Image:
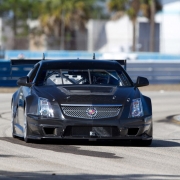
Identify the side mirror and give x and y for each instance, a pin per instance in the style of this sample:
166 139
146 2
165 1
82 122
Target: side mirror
24 81
141 81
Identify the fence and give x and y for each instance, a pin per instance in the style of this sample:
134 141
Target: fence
8 76
156 72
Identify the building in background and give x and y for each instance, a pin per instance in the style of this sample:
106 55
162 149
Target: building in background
106 36
170 27
116 36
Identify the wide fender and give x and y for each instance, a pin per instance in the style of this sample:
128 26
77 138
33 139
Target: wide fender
15 98
147 105
31 104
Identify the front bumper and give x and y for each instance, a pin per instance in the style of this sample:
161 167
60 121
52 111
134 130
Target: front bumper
127 129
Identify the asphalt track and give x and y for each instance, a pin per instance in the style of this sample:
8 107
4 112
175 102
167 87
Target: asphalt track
95 160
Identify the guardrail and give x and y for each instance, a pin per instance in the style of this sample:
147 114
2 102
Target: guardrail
8 80
156 72
8 54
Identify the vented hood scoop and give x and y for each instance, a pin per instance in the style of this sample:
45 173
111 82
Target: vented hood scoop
103 90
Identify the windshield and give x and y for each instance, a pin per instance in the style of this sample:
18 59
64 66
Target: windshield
85 77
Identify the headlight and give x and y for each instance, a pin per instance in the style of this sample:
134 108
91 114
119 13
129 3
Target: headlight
136 109
45 108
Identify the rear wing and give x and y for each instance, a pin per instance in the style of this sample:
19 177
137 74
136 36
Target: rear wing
122 63
18 62
21 62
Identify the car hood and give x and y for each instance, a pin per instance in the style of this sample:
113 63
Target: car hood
87 94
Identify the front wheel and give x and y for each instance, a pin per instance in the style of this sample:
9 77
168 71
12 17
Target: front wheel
141 142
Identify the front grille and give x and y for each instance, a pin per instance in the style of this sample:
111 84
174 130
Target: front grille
91 112
84 131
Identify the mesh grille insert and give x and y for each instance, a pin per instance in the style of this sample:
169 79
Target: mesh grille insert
91 112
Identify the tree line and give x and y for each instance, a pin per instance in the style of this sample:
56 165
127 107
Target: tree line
61 18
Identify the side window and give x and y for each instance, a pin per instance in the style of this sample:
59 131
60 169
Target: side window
33 72
124 79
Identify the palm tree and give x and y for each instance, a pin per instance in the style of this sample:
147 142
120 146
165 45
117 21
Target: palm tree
132 9
149 9
62 17
19 11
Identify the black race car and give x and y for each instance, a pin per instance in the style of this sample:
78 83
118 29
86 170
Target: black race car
80 99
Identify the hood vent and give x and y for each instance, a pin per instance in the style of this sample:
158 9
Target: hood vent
89 90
